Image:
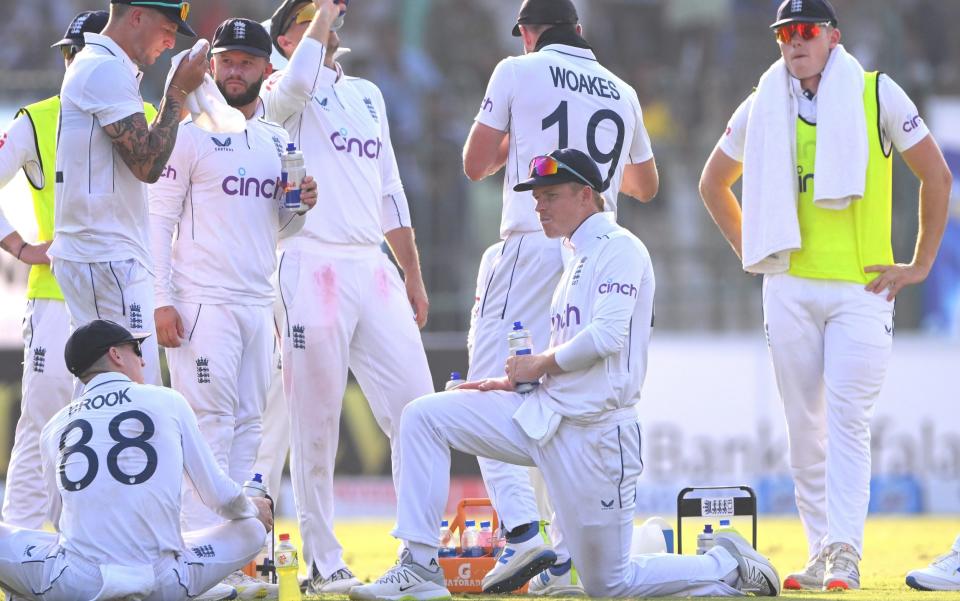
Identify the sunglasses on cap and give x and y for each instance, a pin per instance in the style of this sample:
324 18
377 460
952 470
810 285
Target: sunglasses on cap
807 31
183 6
309 11
544 166
70 50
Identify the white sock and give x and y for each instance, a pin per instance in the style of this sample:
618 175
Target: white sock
422 554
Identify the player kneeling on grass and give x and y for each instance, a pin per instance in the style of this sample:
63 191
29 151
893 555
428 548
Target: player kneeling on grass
579 425
113 464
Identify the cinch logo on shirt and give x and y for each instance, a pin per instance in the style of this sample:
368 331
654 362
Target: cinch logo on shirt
912 123
585 84
241 185
487 105
169 173
570 317
803 181
364 148
611 287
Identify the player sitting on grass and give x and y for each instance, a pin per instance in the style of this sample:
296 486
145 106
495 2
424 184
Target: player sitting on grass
113 462
578 426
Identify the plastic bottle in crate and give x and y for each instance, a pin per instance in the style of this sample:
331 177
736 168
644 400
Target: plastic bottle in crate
470 540
486 538
447 546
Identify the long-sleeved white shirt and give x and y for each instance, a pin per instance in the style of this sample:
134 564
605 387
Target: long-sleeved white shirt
340 124
601 321
221 192
113 463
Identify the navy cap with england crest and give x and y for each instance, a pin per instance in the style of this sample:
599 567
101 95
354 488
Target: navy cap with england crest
805 11
89 21
242 34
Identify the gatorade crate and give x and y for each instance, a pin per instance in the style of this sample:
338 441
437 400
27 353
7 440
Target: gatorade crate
465 574
710 504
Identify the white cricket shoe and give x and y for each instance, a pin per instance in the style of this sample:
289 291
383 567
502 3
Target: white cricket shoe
405 581
565 584
519 562
249 588
219 592
810 578
338 583
756 574
941 575
842 568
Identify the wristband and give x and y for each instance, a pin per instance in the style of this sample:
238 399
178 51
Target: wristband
179 89
20 252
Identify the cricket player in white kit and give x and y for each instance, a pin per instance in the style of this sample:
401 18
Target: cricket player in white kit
578 426
345 304
106 153
555 95
824 246
223 195
114 461
30 144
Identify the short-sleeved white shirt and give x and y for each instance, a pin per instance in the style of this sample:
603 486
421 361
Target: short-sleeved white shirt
561 96
18 149
900 122
101 207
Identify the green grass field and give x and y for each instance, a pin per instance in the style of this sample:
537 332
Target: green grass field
894 545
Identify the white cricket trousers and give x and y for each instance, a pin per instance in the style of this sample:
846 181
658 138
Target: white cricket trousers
47 387
590 470
223 370
515 282
34 566
346 307
121 291
830 342
275 441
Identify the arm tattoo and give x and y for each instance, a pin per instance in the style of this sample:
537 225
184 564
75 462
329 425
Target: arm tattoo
146 150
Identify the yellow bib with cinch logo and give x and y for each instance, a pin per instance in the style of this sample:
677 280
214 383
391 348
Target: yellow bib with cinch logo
838 244
45 116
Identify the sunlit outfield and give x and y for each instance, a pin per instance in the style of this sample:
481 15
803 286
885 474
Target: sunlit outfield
894 545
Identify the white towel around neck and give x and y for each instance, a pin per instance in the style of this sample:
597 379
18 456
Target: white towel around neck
206 104
771 230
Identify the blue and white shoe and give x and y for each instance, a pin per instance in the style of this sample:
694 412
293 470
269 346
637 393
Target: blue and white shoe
941 575
219 592
557 581
522 559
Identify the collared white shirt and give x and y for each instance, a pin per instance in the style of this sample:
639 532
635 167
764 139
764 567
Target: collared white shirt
340 124
222 191
101 207
561 97
18 149
601 322
114 461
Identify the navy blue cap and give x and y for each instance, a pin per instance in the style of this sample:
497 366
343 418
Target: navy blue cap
242 34
575 167
89 21
90 341
546 12
805 11
169 9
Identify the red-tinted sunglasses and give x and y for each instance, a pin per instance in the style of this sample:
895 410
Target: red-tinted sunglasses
543 166
807 31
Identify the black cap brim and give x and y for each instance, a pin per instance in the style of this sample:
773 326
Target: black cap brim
67 42
248 49
561 177
183 28
802 20
516 30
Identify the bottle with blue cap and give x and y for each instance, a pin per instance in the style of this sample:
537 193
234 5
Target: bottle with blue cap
706 540
470 540
521 343
255 487
292 172
455 380
447 547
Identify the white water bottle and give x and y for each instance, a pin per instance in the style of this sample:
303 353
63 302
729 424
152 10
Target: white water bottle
705 540
455 380
255 487
447 547
521 343
292 172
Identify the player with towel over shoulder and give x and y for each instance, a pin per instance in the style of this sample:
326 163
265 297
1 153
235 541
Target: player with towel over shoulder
823 245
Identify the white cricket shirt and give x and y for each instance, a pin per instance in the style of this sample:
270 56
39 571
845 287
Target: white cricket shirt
114 461
340 124
561 97
601 321
101 207
222 192
18 149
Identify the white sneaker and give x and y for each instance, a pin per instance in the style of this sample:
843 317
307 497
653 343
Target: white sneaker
842 568
810 578
756 574
941 575
519 562
565 584
249 588
338 583
220 592
405 581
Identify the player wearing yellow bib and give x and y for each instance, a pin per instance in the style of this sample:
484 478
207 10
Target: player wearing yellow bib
823 245
30 144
